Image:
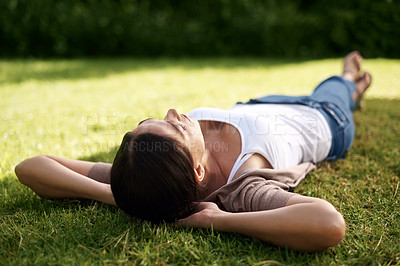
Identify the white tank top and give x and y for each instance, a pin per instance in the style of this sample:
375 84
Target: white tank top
285 134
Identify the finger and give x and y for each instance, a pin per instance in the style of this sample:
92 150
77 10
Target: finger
180 222
184 222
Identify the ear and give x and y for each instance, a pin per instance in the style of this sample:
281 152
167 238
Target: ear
199 172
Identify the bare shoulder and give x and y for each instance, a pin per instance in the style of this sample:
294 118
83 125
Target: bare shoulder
256 161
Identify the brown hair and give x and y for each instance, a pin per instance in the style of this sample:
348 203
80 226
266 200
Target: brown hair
152 178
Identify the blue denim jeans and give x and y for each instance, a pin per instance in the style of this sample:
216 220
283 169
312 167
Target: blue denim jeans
333 98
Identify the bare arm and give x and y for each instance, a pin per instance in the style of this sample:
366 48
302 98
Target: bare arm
56 177
305 223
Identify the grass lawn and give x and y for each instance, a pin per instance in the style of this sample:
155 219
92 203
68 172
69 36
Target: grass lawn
81 108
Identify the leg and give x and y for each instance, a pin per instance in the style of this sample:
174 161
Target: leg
348 90
345 94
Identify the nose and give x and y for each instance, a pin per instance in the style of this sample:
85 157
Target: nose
172 115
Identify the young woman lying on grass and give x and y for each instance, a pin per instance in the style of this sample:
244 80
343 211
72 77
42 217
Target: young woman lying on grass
226 169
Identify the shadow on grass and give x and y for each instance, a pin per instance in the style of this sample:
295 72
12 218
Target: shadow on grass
21 199
106 157
23 70
378 131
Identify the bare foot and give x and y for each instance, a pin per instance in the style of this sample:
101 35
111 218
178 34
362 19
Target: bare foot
352 66
361 86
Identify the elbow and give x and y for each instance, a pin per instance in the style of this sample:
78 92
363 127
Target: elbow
20 171
332 228
24 170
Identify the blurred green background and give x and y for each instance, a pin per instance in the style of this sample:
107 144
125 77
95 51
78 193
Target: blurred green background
270 28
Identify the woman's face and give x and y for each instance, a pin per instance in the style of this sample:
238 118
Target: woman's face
180 127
